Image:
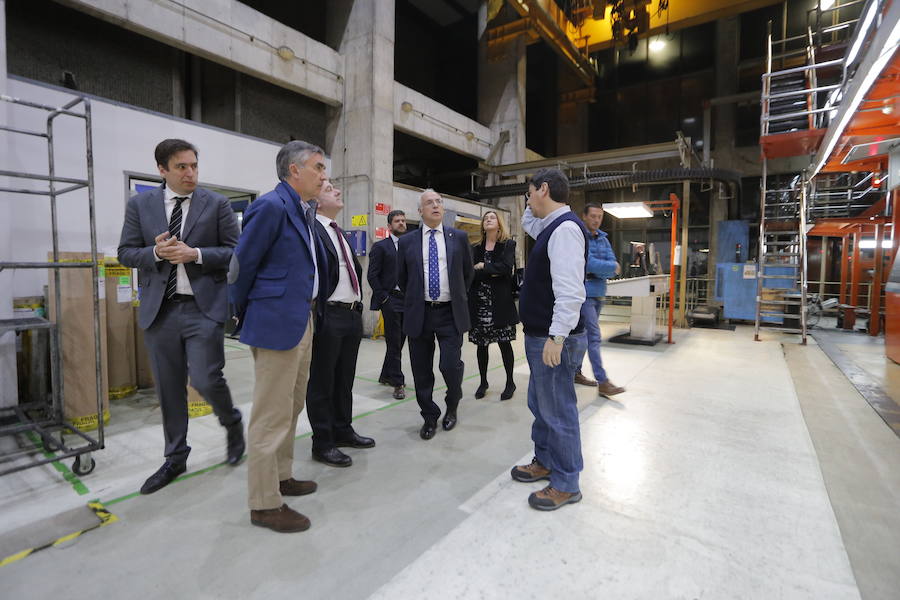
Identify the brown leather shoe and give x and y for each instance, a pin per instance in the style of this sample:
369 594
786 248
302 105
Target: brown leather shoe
399 392
582 380
294 487
608 388
551 498
282 520
528 473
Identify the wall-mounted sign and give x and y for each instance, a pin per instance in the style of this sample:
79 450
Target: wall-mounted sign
359 220
357 240
382 232
381 208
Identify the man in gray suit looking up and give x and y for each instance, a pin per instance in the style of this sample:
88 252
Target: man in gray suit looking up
181 238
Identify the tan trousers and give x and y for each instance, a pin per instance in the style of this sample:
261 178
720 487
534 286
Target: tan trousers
278 396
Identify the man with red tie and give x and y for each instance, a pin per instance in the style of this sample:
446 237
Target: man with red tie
329 396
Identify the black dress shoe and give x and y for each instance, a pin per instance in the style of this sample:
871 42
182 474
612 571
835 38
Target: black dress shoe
399 392
428 429
449 421
508 391
355 441
479 393
236 444
332 457
163 477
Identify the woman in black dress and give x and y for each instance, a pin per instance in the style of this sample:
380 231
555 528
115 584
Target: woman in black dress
491 305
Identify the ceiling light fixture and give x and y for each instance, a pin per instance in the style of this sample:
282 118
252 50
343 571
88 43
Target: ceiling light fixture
657 44
406 107
826 4
628 210
285 53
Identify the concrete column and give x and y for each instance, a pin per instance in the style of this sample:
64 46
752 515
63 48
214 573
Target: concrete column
8 381
728 32
360 133
501 106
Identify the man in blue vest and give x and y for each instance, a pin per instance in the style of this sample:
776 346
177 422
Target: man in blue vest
554 335
601 265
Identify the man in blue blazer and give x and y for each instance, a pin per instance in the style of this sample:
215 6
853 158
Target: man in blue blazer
180 238
435 272
276 294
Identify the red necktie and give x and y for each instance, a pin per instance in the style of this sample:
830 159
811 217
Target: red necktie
347 261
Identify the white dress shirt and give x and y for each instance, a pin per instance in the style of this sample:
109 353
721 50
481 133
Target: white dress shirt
182 282
344 290
442 262
566 251
396 241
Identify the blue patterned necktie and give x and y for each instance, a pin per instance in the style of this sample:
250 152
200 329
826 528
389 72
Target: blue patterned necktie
434 273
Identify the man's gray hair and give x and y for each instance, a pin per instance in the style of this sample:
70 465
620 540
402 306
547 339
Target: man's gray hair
425 191
294 152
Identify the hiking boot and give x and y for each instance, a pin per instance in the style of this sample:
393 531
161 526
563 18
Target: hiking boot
551 498
532 472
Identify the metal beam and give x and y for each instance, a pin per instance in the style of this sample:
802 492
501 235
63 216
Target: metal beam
589 159
552 25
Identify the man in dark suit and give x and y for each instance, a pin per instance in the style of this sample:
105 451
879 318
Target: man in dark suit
180 238
435 272
329 397
281 266
387 297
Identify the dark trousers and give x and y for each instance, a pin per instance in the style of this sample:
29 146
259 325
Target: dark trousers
329 396
394 339
438 325
183 341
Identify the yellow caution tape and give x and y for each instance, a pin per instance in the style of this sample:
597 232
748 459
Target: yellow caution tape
121 392
89 422
105 518
199 408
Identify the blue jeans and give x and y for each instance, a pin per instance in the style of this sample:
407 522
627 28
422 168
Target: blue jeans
551 397
590 312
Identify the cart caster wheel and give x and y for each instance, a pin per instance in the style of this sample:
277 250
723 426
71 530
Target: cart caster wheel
50 445
80 468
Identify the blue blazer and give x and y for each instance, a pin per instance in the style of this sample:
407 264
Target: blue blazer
272 292
210 226
411 278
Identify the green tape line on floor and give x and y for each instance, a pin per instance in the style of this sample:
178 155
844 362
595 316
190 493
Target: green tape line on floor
67 473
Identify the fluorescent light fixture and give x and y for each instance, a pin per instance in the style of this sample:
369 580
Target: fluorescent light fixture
826 4
861 32
887 52
870 244
657 44
628 210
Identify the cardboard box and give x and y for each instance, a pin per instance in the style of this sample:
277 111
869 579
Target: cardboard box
79 364
121 350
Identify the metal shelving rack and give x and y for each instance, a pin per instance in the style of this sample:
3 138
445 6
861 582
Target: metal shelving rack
44 418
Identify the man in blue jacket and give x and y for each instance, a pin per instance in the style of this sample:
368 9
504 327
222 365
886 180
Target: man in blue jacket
601 265
276 295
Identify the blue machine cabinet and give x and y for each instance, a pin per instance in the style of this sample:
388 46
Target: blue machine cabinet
738 293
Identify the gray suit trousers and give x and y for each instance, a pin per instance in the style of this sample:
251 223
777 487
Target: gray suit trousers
183 341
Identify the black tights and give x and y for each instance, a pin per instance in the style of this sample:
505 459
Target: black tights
506 352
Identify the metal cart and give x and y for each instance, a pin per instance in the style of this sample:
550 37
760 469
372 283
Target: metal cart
39 424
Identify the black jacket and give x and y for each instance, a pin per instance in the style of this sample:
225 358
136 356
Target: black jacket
499 275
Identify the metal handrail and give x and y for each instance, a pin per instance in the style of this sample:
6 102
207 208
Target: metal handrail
803 69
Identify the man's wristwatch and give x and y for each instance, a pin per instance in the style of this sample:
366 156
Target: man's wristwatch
558 339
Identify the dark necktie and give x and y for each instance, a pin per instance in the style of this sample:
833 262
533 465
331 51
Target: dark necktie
174 230
350 270
434 273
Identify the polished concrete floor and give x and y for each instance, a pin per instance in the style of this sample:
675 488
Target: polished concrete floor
728 469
